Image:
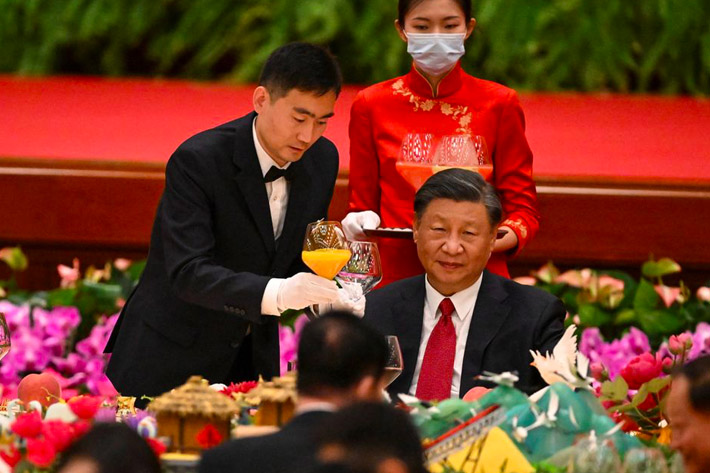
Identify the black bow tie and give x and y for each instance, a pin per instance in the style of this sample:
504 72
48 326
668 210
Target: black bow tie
275 173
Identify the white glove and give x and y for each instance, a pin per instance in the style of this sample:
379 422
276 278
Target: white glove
304 289
354 224
350 300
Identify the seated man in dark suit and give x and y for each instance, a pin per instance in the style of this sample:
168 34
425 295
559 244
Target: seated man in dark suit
340 360
459 320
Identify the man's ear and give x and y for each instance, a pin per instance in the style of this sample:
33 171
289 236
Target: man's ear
415 228
260 97
368 388
392 465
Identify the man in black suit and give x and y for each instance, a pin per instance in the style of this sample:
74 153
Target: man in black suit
225 255
340 360
459 320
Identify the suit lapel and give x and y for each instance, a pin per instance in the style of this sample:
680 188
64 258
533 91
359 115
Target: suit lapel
251 182
489 315
407 316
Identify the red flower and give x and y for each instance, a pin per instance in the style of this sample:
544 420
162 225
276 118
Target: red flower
641 369
208 437
40 452
79 428
650 401
627 423
11 457
27 425
59 434
85 407
243 387
156 445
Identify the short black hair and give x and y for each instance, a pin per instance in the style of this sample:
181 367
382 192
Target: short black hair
697 372
405 6
336 351
114 448
370 433
460 185
303 66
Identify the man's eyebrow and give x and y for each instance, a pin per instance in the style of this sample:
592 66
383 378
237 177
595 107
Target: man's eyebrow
303 111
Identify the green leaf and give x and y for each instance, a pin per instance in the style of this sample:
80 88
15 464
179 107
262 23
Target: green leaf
592 316
616 390
625 317
14 257
61 297
662 267
660 322
646 297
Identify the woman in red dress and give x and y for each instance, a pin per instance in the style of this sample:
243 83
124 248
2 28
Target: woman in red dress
439 98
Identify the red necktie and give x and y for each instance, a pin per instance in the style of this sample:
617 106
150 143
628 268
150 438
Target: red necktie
438 364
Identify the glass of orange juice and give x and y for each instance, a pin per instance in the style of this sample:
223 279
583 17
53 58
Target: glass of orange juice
466 152
325 248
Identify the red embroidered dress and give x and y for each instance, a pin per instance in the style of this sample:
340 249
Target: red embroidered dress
384 113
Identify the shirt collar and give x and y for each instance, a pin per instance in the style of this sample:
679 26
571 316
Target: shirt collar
463 301
450 84
265 161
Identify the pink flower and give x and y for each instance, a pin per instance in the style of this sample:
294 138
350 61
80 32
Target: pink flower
525 280
288 341
576 278
678 344
668 294
605 280
122 264
597 371
642 369
69 276
703 293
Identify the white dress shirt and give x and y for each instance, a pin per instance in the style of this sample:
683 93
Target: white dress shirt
277 192
464 303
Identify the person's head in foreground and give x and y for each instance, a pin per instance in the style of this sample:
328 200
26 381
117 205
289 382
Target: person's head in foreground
370 438
456 217
109 448
294 100
340 360
688 409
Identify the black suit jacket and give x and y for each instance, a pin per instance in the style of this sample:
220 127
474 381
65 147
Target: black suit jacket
212 252
509 319
290 449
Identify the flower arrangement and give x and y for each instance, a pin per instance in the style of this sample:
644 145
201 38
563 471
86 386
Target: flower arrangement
31 443
613 301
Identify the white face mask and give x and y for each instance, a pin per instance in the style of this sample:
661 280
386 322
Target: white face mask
435 53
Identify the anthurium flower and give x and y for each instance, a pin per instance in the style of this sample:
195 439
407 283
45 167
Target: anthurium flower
208 437
575 278
69 276
85 407
59 434
668 294
642 369
40 452
27 425
615 283
10 455
525 280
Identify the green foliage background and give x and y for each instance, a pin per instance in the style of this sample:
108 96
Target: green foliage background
610 45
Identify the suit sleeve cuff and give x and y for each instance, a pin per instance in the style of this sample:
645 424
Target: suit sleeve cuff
269 301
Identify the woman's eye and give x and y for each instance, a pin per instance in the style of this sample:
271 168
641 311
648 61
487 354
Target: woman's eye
420 27
451 27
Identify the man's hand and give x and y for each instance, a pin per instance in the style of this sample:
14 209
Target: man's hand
355 223
304 289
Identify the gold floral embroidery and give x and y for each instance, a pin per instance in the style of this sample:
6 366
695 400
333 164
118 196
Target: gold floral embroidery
518 225
459 113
